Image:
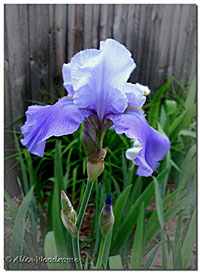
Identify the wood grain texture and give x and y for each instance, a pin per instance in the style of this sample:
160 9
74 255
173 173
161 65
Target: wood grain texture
57 38
39 38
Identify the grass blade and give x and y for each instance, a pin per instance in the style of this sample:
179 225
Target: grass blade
10 202
63 246
164 251
189 241
131 216
159 205
119 206
50 252
154 109
137 250
16 245
22 165
190 100
151 257
155 228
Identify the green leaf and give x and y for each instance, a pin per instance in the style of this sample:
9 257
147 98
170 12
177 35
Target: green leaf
10 202
22 165
50 252
107 249
178 256
62 244
151 257
159 205
155 228
153 115
131 215
154 216
181 122
86 263
170 105
191 97
115 262
137 250
119 206
164 251
163 117
187 133
170 264
189 241
178 233
16 244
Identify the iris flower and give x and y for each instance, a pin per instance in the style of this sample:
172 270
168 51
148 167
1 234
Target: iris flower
96 81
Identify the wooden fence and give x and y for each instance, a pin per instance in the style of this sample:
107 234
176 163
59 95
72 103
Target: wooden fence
40 38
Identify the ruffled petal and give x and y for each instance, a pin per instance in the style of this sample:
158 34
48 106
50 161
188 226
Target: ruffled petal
154 144
42 122
66 71
134 94
96 75
118 61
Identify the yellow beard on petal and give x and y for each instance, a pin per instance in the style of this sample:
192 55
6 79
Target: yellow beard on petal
135 108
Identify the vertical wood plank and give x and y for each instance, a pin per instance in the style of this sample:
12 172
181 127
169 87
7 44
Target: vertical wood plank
17 82
16 20
174 38
57 46
157 14
75 29
39 49
120 21
182 36
106 21
87 34
95 24
164 41
189 62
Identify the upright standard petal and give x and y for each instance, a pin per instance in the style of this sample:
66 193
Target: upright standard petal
96 75
42 122
154 145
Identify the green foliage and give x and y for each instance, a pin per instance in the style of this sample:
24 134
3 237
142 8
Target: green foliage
115 262
16 244
50 251
62 238
172 189
137 250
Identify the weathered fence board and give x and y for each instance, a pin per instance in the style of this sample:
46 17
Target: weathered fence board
40 38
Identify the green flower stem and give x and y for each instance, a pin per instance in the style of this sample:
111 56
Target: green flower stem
76 251
102 134
100 257
84 203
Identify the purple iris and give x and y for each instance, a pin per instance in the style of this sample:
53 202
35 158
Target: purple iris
96 81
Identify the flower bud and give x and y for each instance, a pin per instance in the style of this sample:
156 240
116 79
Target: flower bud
95 164
68 214
106 217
